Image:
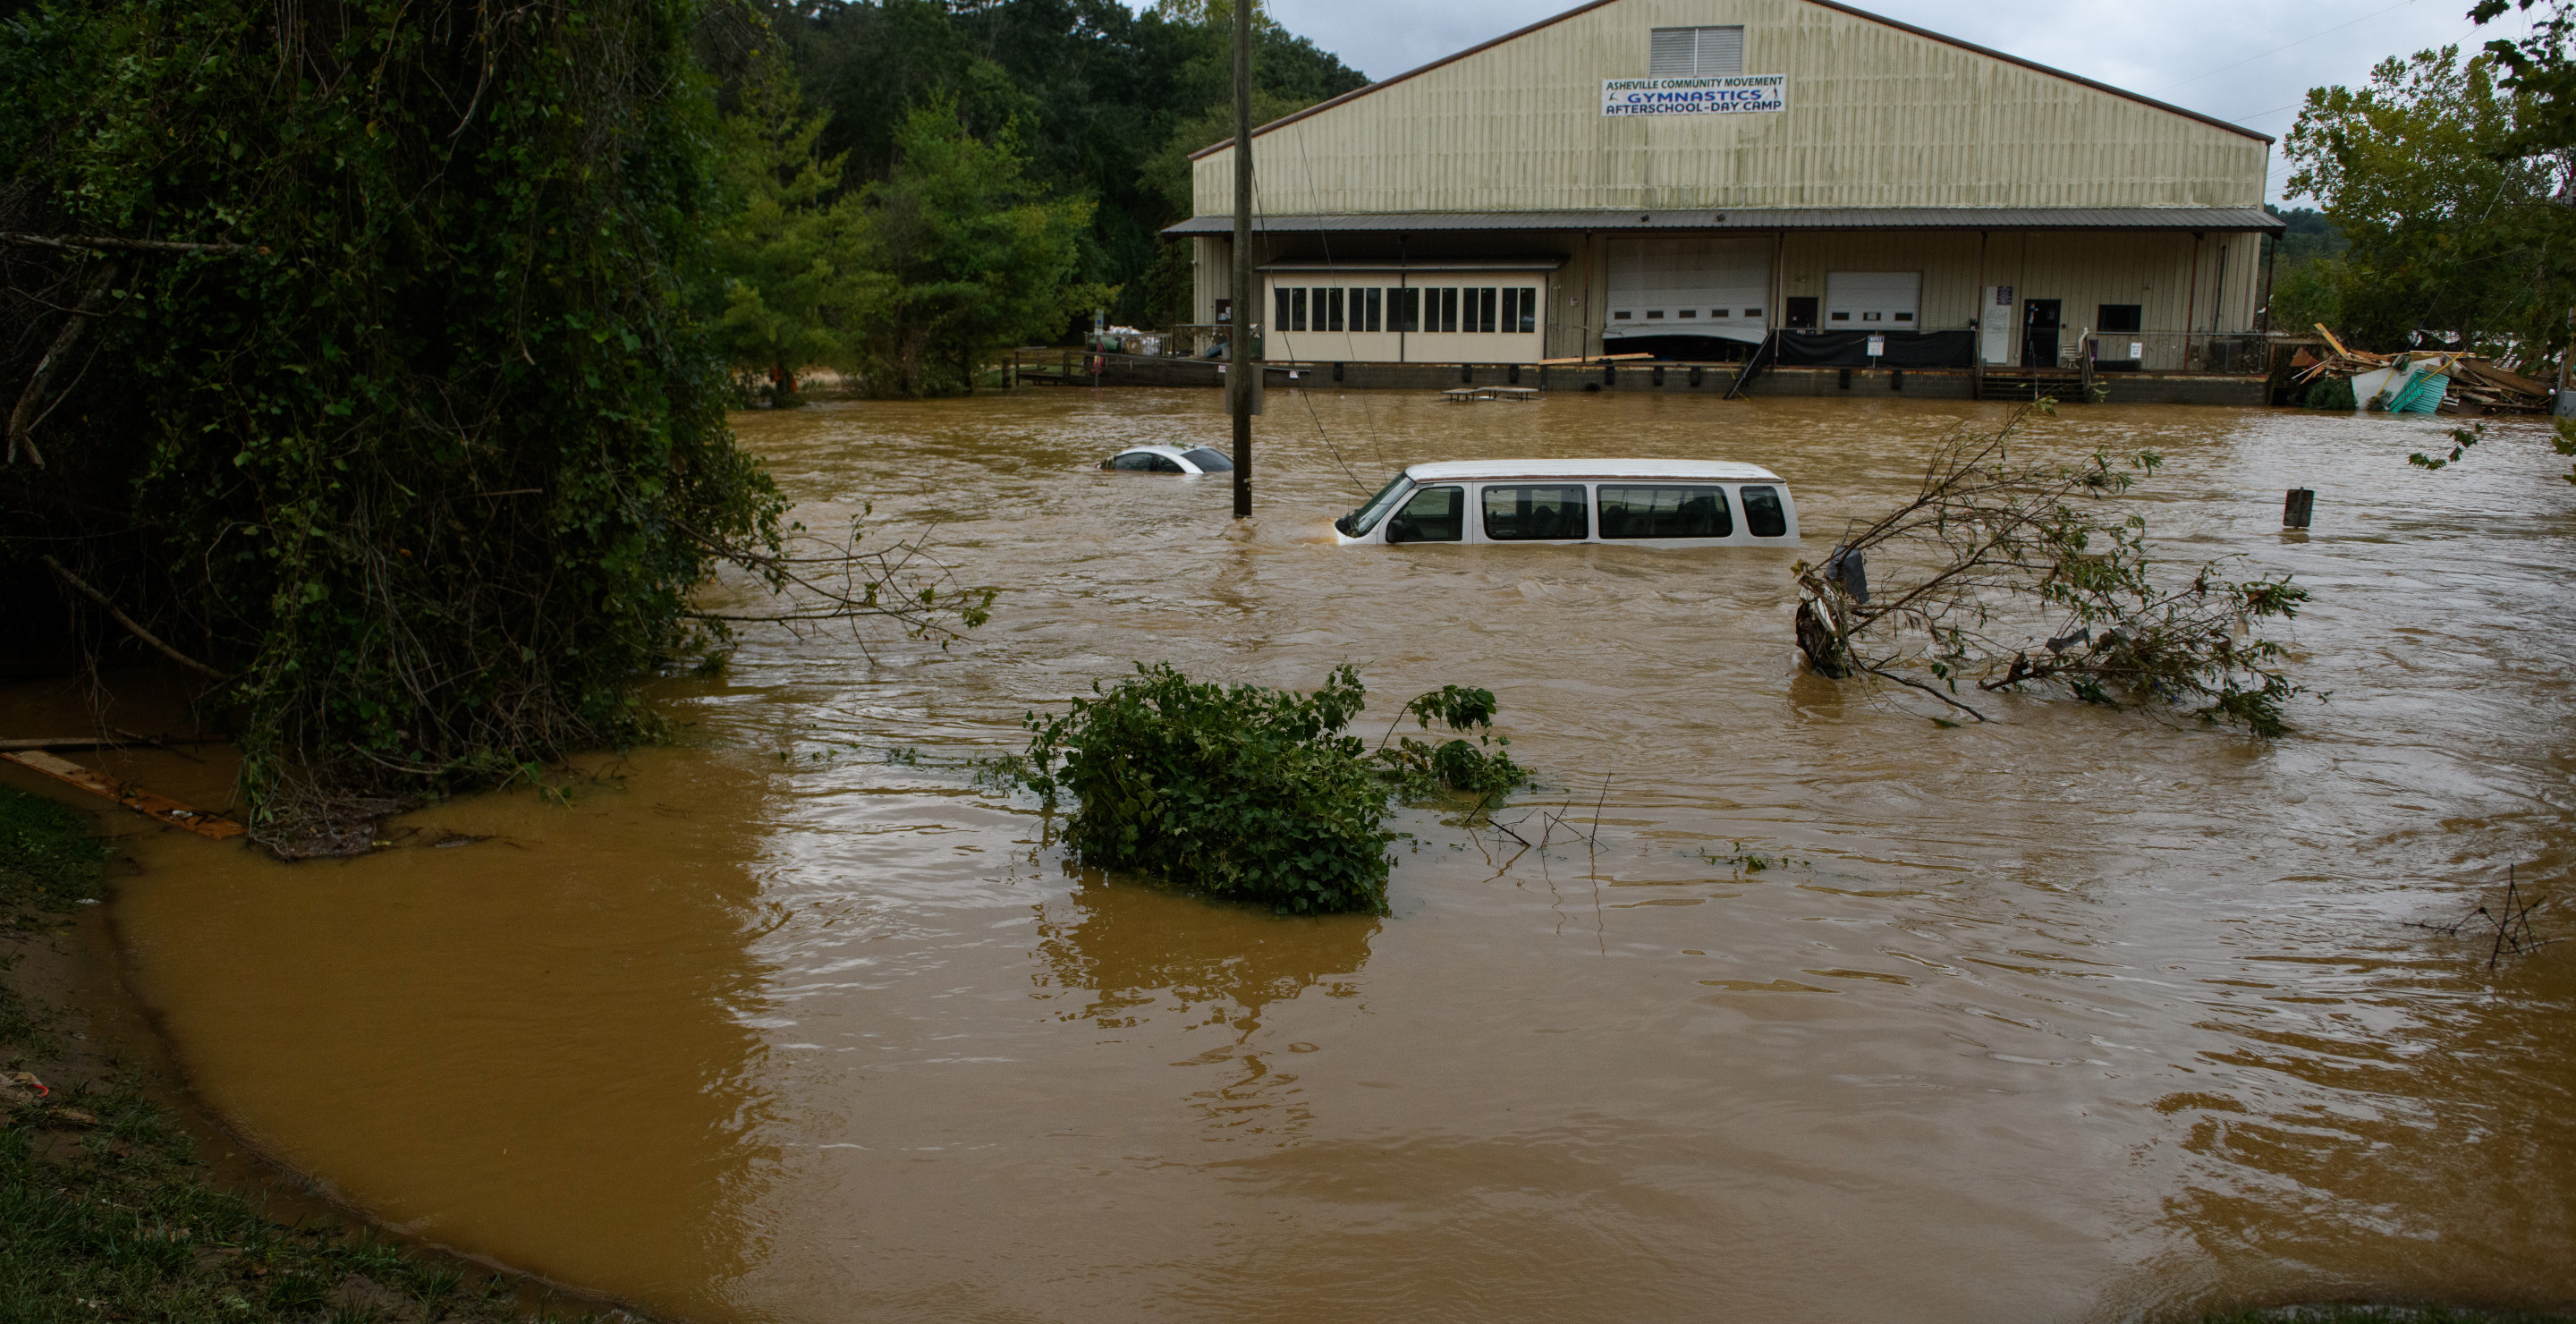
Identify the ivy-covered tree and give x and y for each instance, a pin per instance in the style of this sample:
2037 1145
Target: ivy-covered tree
353 370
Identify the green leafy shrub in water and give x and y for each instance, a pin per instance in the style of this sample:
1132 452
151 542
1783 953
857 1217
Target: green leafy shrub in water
1245 792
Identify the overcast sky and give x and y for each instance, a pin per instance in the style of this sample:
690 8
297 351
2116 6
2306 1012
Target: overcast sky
2247 61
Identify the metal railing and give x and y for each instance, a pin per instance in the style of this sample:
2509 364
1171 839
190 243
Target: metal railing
2246 353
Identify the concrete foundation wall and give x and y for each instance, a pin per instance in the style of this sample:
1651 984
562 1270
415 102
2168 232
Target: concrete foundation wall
1919 383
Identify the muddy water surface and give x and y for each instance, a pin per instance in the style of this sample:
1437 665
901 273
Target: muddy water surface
2080 1015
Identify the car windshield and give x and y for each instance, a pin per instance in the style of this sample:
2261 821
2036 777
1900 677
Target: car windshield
1207 460
1360 521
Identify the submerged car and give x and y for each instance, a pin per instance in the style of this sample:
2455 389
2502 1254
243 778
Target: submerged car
1647 503
1170 460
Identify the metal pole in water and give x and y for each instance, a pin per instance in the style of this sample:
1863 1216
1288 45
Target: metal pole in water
1247 299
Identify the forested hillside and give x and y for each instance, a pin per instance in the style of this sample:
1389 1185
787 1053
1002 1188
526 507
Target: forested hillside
1097 98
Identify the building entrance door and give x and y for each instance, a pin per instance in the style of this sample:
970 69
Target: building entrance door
2039 333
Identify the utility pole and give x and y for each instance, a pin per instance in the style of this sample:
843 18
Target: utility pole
1247 297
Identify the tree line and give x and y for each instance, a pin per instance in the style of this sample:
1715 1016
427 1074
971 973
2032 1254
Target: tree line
2448 191
911 184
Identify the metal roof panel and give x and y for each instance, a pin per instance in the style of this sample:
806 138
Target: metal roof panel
2228 219
1440 471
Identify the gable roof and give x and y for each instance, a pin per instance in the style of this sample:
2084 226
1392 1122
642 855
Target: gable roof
1589 5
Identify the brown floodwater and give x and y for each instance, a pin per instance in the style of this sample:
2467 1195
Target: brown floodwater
2079 1015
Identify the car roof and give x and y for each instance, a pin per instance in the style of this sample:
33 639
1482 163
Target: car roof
1456 470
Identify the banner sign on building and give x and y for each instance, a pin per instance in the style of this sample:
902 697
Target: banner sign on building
1743 95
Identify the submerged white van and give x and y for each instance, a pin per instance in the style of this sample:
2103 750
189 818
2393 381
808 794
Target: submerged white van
1645 503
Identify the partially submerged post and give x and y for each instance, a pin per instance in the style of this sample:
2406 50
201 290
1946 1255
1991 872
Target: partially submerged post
2297 507
1240 368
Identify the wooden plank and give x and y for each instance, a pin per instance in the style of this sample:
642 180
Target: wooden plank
60 742
199 821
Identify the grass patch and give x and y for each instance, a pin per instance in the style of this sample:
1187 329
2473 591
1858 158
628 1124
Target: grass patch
105 1214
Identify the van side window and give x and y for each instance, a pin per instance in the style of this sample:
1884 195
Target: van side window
1554 512
1762 514
1435 514
1665 512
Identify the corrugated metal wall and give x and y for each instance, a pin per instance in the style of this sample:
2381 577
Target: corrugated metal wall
1877 117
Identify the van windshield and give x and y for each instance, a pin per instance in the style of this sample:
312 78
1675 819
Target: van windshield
1360 521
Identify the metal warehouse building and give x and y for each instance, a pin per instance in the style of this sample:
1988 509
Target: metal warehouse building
1790 182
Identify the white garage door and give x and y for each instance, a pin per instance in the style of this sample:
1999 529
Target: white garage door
1696 287
1872 300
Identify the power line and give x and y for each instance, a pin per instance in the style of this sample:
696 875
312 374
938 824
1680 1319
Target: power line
2401 4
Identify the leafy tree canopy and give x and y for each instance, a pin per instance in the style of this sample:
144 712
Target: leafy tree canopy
2454 228
1089 90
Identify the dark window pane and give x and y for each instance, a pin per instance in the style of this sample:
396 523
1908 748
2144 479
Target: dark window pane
1529 310
1485 311
1550 513
1280 322
1372 309
1297 310
1333 310
1408 309
1449 309
2118 317
1207 460
1165 464
1665 512
1435 514
1511 308
1762 514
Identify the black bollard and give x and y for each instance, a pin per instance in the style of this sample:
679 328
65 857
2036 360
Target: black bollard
2297 507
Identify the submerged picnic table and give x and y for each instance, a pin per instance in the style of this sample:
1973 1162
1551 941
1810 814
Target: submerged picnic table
1459 395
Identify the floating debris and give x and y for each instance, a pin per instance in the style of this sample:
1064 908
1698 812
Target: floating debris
204 823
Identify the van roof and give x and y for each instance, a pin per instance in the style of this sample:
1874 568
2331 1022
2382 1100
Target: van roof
1462 470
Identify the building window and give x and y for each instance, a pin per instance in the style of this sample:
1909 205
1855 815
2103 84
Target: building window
1654 313
1485 306
1408 308
1511 309
1866 317
1695 52
1690 312
1279 322
1297 309
1449 309
1619 316
1528 323
1904 317
1372 309
1754 313
1333 309
2118 317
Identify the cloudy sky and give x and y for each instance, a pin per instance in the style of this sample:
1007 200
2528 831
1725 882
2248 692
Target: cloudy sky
2248 61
